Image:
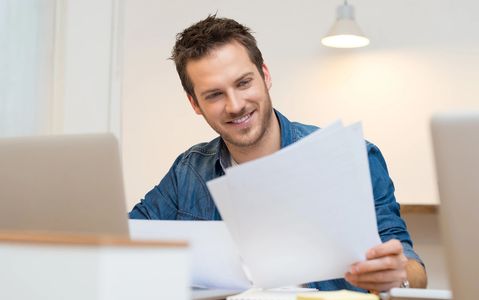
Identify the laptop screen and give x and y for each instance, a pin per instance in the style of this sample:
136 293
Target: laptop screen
66 183
456 149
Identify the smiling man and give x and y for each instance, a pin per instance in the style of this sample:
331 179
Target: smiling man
232 95
226 81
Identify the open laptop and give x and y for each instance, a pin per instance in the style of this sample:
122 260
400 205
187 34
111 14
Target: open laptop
456 149
67 183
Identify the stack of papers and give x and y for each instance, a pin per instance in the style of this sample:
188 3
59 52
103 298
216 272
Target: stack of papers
304 213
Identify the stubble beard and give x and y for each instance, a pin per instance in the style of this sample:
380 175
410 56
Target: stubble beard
242 139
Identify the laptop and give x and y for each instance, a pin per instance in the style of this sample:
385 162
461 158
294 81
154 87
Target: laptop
456 150
65 183
68 184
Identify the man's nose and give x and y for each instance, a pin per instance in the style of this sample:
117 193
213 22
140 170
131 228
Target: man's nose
234 103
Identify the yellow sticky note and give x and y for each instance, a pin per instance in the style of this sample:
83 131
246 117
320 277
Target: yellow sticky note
337 295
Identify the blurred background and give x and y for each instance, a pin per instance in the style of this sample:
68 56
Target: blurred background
92 66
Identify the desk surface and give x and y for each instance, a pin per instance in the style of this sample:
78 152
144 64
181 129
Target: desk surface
19 237
419 208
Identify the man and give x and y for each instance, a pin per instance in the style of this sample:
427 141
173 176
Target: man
226 81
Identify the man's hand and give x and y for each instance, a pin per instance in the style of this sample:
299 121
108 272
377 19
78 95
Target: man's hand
384 268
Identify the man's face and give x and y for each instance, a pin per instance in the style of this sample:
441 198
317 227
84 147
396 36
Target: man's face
232 96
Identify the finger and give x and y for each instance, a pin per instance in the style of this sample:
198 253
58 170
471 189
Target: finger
379 264
390 247
379 277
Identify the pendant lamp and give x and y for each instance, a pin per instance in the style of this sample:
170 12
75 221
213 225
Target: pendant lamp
345 32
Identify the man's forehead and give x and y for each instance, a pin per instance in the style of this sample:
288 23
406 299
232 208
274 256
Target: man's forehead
227 61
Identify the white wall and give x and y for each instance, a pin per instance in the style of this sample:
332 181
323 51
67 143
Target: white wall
86 96
26 66
59 66
423 58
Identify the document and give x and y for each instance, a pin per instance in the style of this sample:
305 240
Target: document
214 256
302 214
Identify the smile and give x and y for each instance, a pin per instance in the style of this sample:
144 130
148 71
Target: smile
241 120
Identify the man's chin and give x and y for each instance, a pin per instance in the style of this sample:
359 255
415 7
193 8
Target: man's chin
241 142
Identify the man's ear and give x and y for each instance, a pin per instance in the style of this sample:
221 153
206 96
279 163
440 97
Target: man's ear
194 104
267 76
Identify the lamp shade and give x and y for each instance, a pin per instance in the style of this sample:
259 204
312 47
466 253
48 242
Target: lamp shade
345 32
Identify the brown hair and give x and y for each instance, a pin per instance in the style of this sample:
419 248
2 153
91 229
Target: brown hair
199 39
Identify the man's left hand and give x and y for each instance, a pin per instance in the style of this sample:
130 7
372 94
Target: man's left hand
384 268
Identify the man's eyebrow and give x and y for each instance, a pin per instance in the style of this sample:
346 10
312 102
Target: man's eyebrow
243 76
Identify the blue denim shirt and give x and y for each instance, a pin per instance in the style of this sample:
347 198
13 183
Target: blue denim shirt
182 194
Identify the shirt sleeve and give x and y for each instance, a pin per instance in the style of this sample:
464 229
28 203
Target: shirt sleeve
389 221
161 203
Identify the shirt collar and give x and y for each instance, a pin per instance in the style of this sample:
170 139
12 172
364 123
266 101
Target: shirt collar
287 136
223 159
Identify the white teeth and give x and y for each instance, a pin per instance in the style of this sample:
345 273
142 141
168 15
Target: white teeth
241 120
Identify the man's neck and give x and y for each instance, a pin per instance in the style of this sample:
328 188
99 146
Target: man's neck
269 143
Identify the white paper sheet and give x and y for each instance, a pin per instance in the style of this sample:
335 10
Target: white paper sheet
303 214
215 259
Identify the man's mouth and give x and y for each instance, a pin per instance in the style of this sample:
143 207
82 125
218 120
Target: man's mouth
242 119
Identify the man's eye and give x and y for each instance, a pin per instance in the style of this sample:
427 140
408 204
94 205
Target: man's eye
213 95
244 83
